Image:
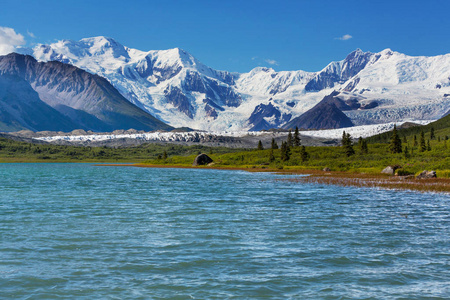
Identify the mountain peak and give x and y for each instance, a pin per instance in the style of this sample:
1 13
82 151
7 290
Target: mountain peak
99 40
15 63
387 52
180 57
100 45
262 69
357 54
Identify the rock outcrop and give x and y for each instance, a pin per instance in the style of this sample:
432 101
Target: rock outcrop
202 159
390 170
427 174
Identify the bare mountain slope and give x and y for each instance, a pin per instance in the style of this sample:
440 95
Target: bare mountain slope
87 101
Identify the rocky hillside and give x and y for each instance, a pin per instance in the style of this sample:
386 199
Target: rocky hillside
327 114
21 108
57 96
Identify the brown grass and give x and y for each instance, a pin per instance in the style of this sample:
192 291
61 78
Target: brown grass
441 185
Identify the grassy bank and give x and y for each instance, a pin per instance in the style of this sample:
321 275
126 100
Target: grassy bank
377 158
363 168
14 151
360 169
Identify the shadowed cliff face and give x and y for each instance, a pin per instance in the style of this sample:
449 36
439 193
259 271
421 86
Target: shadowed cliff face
88 101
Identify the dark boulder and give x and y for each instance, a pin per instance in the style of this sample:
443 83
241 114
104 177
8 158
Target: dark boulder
202 159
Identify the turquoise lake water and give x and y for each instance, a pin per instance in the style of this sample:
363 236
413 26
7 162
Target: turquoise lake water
78 231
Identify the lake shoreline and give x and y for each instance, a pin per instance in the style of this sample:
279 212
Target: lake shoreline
341 178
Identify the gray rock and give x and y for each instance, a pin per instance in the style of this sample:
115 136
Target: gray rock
390 170
427 174
326 169
202 159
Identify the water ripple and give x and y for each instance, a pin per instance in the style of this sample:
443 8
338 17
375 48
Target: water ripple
80 231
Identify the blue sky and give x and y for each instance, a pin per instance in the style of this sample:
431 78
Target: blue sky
240 35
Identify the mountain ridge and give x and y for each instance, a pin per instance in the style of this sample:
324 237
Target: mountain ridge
178 89
86 100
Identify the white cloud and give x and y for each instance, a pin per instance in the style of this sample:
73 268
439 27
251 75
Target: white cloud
9 40
271 62
31 34
345 37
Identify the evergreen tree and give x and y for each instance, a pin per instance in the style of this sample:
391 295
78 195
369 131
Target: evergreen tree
439 139
423 147
415 141
297 140
350 150
406 153
290 139
274 144
164 155
288 151
347 144
396 144
285 151
344 139
260 145
404 139
271 156
432 136
303 154
428 146
364 148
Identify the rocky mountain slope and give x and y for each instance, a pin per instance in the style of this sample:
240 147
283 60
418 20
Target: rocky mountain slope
21 108
178 89
327 114
57 96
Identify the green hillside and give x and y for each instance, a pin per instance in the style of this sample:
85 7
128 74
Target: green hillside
441 129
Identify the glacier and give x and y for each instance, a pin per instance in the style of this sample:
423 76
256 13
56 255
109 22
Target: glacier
197 136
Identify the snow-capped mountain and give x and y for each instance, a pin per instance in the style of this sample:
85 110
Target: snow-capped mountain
178 89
